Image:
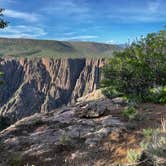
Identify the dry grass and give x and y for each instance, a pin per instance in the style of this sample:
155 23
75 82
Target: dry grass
163 125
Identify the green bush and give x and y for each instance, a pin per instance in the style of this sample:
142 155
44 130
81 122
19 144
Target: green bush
139 67
111 92
129 113
133 156
147 133
157 95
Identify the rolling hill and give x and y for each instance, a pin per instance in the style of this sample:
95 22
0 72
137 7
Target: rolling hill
50 48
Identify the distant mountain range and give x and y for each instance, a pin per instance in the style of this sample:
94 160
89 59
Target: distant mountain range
50 48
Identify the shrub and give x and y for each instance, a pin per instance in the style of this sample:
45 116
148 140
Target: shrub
139 67
147 133
157 95
65 140
111 92
133 156
155 146
129 113
158 145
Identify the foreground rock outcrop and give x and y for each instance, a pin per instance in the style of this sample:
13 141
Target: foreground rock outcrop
61 137
43 84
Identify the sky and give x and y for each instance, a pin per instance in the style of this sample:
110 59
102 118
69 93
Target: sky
108 21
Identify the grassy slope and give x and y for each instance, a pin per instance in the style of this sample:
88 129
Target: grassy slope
48 48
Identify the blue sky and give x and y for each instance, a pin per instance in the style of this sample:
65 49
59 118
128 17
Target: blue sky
109 21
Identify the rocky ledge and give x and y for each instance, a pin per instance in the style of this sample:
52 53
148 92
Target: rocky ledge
67 136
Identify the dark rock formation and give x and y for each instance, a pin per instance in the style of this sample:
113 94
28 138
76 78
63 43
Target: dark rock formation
43 84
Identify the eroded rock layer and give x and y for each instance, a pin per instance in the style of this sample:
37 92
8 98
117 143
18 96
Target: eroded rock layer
43 84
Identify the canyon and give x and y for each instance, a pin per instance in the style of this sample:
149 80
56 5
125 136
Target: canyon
34 85
53 112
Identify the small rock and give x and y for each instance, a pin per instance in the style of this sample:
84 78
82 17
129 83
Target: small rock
108 121
120 101
92 110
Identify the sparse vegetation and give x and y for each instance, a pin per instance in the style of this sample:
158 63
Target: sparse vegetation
155 148
147 133
65 140
133 156
129 113
154 144
138 74
58 49
157 95
111 92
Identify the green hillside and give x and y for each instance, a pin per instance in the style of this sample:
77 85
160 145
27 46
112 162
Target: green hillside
50 48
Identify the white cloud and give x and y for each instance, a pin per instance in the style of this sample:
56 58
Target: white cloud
137 18
146 8
81 37
82 11
22 31
151 11
5 3
69 33
68 7
110 42
153 6
71 9
31 17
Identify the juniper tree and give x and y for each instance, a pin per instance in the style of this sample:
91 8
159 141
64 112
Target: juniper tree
3 23
137 68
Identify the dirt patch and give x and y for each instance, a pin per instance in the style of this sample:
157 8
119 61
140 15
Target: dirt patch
127 139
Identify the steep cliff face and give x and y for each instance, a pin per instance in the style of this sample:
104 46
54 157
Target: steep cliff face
41 85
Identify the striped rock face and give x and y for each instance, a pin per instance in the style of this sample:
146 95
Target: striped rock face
43 84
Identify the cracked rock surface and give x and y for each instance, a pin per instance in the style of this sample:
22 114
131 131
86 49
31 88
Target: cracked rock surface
60 136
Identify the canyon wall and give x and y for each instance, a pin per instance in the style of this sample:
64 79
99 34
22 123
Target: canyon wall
44 84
